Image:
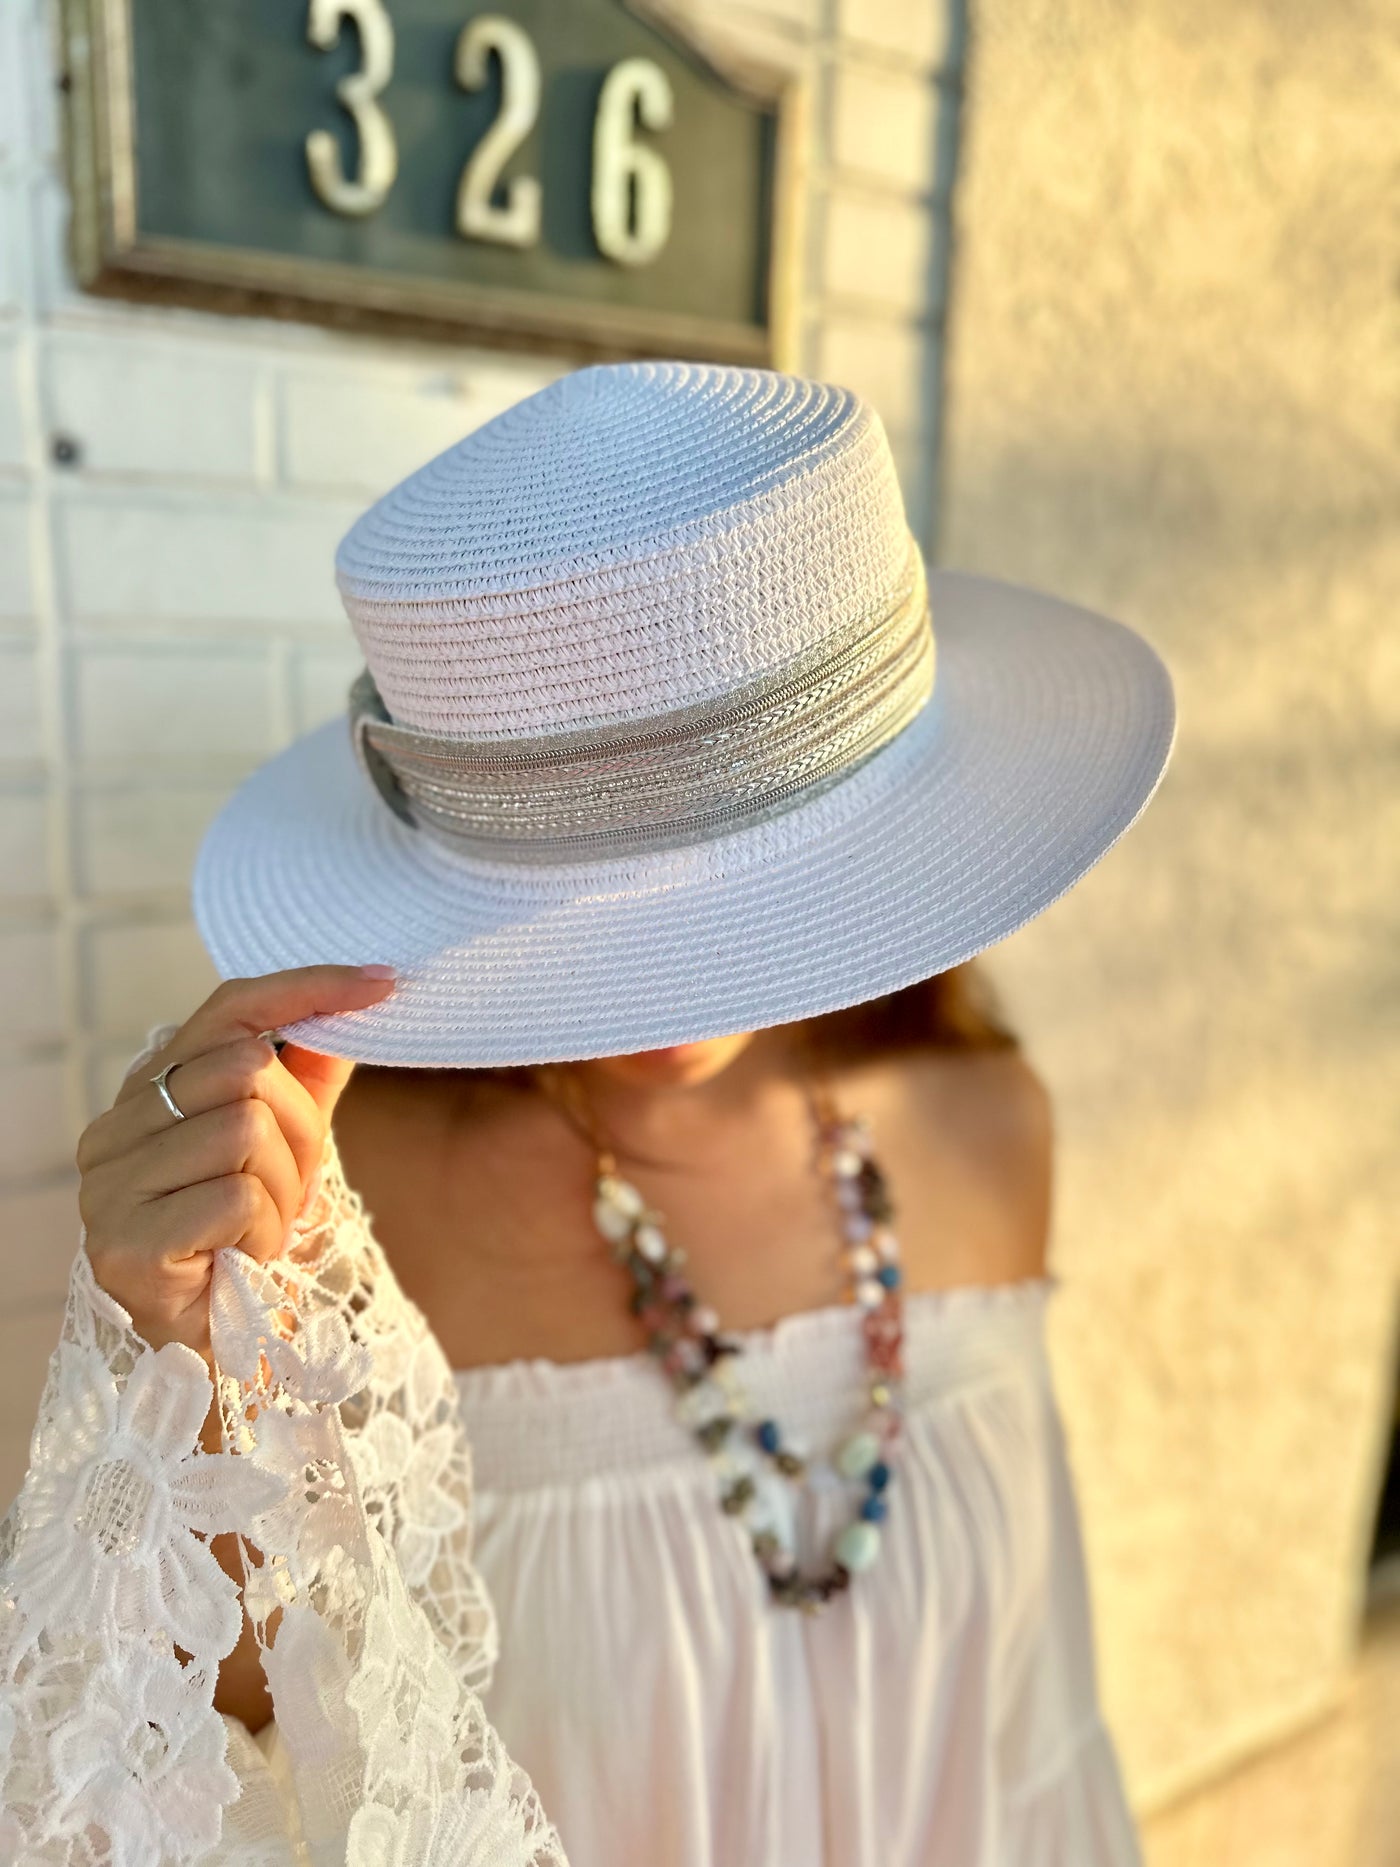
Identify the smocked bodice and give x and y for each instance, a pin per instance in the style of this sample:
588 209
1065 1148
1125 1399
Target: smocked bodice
944 1710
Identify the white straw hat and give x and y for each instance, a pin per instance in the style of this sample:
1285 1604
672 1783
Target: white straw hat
657 740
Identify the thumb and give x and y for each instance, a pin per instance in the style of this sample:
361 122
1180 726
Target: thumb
324 1078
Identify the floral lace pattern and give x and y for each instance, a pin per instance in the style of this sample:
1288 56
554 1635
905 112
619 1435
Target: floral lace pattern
347 1480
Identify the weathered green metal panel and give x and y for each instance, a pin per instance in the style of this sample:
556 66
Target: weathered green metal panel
220 96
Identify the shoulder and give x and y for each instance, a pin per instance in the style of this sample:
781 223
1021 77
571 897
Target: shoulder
983 1122
996 1098
1006 1112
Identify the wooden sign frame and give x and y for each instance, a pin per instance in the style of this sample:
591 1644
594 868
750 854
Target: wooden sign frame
113 257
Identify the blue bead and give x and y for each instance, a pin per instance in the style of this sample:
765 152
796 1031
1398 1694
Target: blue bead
878 1477
874 1509
768 1436
888 1275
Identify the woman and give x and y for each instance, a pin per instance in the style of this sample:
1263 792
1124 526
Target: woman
657 764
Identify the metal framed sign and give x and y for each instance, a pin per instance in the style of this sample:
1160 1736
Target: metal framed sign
562 173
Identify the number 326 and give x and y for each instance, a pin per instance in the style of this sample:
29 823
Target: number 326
630 196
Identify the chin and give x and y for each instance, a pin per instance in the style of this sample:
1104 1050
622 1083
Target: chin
678 1066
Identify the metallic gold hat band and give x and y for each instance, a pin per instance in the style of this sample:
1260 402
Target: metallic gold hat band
668 781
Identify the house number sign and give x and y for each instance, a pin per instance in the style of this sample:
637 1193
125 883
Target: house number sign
630 197
567 173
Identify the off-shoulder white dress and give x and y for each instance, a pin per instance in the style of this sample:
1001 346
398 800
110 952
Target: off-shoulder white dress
941 1714
583 1614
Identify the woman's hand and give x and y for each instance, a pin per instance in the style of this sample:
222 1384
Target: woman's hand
160 1196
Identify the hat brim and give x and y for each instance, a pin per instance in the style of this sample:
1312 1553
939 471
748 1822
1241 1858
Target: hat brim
1048 731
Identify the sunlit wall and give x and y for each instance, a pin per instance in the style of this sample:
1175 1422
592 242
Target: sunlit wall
1174 394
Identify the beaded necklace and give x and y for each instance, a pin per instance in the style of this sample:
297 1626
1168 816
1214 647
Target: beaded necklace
699 1359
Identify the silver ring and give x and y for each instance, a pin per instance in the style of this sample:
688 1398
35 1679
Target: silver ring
165 1094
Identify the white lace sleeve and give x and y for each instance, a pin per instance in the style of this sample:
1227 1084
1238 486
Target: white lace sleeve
347 1478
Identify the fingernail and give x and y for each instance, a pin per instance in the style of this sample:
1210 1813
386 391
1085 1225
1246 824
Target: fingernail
378 972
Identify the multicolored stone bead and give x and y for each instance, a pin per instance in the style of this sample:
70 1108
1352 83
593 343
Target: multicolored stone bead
857 1546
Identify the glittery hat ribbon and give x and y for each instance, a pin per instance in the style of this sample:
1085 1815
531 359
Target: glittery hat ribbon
674 779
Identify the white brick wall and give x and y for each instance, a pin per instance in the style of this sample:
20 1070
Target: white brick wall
25 845
139 408
16 583
34 1137
140 839
337 431
167 611
11 427
20 737
166 708
137 972
881 359
881 253
34 1008
913 34
144 556
884 123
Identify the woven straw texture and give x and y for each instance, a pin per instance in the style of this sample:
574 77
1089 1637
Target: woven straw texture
634 540
1046 735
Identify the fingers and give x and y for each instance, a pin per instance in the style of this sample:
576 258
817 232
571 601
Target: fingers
246 1069
164 1280
236 1139
159 1195
236 1212
253 1005
245 1007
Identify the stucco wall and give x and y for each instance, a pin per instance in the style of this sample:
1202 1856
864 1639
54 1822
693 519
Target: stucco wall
1173 395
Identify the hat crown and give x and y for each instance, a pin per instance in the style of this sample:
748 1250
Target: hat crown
632 540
